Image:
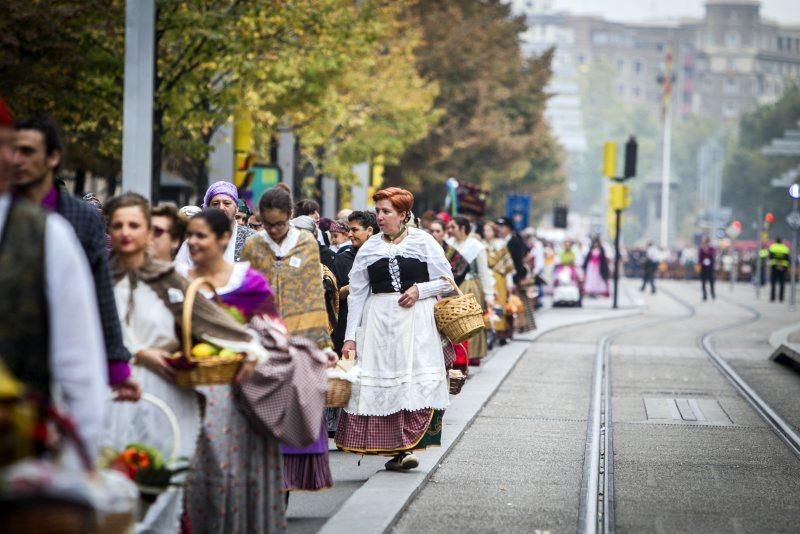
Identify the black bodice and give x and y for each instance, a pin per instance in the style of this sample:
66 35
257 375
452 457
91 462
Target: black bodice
406 271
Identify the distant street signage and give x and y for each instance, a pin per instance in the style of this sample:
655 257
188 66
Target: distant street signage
793 220
518 209
472 199
258 179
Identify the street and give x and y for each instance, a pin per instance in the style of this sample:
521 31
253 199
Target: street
689 454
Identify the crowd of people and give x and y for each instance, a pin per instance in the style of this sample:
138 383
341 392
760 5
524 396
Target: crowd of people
92 317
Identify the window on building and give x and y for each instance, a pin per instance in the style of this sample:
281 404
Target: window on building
732 39
621 90
731 86
730 64
637 67
780 43
620 64
729 110
636 91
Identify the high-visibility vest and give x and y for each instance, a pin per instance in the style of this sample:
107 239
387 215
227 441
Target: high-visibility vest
779 255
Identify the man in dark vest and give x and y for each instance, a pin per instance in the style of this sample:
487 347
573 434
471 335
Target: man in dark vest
49 324
37 157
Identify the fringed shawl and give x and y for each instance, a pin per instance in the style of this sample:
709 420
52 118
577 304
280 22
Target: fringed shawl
297 282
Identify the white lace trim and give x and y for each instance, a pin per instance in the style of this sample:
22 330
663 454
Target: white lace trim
378 401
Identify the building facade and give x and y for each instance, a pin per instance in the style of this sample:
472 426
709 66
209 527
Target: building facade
724 64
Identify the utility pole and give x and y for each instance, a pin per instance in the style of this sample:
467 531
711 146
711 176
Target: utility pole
619 196
794 222
666 80
759 228
137 118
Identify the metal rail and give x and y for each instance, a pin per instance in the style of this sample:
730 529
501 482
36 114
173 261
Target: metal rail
777 423
597 490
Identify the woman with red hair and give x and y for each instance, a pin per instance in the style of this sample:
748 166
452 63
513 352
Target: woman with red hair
401 391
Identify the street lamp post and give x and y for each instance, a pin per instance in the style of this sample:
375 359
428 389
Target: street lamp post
794 222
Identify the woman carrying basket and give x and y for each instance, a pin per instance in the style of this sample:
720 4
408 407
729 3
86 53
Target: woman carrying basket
289 259
398 403
150 297
237 482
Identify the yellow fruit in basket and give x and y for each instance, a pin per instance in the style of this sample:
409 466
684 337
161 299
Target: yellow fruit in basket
227 354
204 350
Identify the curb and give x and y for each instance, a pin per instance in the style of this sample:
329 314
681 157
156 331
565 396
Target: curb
379 502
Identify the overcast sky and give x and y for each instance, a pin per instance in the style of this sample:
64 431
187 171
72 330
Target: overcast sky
782 11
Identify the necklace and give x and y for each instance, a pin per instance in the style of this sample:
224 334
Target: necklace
392 238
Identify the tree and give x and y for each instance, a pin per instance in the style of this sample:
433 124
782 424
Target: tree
71 71
748 174
378 107
492 101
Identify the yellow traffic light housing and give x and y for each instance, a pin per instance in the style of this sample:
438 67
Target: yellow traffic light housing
610 160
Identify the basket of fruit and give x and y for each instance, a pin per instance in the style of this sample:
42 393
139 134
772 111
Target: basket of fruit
204 363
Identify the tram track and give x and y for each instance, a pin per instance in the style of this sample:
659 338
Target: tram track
770 416
596 513
597 491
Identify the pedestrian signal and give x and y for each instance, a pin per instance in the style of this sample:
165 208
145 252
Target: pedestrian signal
631 148
610 160
560 217
769 218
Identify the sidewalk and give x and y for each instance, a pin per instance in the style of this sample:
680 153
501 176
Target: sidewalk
368 499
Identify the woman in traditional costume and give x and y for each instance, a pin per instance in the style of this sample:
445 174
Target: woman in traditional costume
397 405
225 197
479 280
150 297
237 476
595 271
498 258
289 258
458 264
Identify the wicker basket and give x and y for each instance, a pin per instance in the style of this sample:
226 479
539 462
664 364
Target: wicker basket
207 371
339 390
456 381
458 318
338 393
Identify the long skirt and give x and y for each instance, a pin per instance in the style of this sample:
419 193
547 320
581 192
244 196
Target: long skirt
388 435
594 284
237 475
478 347
525 321
500 324
308 468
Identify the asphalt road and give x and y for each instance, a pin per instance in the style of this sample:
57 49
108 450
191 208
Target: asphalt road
717 468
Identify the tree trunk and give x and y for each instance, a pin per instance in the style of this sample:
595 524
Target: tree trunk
80 182
158 156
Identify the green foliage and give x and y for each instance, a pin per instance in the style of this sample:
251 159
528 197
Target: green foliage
65 59
491 131
355 80
748 174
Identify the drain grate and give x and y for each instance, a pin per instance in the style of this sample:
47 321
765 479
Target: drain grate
686 411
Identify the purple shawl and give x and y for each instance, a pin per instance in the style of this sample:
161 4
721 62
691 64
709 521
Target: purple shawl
254 296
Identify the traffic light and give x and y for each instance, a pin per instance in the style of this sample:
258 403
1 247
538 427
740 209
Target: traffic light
737 225
769 218
610 160
619 196
631 148
560 217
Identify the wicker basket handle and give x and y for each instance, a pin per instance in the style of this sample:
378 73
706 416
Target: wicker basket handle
188 306
453 283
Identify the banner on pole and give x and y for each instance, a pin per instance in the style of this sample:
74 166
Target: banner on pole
518 210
